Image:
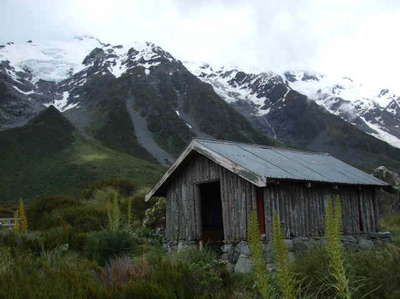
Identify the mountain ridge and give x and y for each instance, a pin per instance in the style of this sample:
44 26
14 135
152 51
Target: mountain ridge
144 102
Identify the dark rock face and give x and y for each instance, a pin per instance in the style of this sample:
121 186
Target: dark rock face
173 103
273 107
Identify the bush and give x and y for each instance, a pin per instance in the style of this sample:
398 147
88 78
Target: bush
155 216
104 245
392 223
51 276
46 212
372 273
376 272
312 273
84 218
139 205
123 187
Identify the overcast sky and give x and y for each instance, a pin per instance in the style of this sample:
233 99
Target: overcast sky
358 38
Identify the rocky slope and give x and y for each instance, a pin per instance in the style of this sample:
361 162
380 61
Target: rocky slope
301 109
376 112
140 100
137 99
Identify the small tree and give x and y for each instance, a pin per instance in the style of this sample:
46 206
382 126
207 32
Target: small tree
333 225
284 275
257 258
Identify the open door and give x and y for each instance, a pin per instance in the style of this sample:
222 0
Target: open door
211 212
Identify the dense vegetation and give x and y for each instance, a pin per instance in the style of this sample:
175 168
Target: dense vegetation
106 243
49 156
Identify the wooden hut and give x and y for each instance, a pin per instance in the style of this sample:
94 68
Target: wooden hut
213 185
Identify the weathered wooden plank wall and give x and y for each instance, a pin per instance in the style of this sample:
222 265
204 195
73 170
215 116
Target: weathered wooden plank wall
238 197
301 208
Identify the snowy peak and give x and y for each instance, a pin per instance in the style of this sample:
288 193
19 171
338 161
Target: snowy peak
44 73
233 85
375 112
58 60
49 60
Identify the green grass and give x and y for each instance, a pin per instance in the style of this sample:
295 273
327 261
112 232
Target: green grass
71 169
49 156
391 223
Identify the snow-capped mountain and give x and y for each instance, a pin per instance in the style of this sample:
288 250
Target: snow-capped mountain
120 95
141 100
68 64
374 112
377 112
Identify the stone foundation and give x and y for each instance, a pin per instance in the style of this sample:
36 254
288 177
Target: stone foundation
237 255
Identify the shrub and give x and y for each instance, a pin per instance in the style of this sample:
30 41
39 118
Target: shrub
155 216
5 259
376 272
104 245
284 275
392 223
46 212
258 263
139 205
122 187
83 218
312 276
50 277
334 249
117 272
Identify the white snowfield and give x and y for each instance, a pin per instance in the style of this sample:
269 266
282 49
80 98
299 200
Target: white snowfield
59 60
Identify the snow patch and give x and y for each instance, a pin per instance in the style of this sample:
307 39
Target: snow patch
62 104
50 60
23 92
382 134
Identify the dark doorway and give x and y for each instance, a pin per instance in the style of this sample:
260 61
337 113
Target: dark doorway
211 212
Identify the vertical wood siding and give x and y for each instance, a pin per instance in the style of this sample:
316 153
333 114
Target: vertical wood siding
183 201
301 209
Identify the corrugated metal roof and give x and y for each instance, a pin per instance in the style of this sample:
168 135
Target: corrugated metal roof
281 163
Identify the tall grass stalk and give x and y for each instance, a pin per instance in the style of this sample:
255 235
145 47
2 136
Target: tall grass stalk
284 276
333 225
129 212
113 210
258 262
16 224
23 220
